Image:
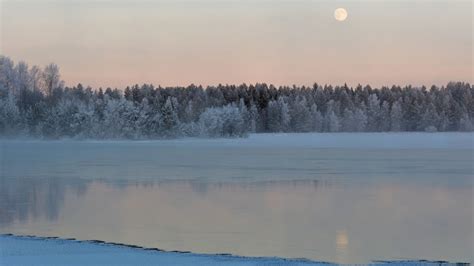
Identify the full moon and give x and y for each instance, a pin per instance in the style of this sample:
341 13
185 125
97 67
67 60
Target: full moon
340 14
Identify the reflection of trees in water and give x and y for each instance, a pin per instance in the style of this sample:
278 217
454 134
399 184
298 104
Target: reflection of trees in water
25 198
22 199
202 187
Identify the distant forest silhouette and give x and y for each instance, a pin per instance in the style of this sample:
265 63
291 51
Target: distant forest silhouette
35 102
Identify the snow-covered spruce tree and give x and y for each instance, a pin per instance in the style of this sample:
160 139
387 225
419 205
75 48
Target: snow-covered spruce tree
331 120
84 122
360 120
348 121
429 119
300 115
384 124
253 118
10 117
396 117
273 117
244 112
189 112
353 121
120 119
169 121
316 119
278 116
148 121
374 114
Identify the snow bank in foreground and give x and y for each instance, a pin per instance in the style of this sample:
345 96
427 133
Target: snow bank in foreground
19 250
23 250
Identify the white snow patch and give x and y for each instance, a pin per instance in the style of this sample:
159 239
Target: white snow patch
20 250
26 250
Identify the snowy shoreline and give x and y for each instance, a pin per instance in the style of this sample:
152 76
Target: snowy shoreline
363 140
37 250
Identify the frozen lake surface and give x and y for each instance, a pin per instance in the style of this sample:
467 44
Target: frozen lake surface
347 198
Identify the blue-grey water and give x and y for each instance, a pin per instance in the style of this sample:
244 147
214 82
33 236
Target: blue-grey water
348 198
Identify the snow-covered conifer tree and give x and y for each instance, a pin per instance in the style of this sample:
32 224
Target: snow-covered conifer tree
169 122
396 117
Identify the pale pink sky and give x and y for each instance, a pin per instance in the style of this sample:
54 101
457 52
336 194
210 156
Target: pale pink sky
118 43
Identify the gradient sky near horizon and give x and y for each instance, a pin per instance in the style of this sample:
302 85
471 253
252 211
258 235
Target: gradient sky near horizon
117 43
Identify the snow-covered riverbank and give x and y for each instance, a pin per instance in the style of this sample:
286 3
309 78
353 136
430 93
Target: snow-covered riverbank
28 250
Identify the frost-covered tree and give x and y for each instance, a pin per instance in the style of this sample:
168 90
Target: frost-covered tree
35 78
225 121
278 116
373 113
348 121
465 123
120 119
7 75
253 118
189 112
233 121
148 122
85 123
10 118
22 77
300 115
273 117
429 119
169 121
331 120
211 122
354 121
316 119
244 112
396 117
51 78
384 123
360 120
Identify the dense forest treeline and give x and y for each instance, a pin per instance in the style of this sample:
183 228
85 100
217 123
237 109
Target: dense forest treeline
34 102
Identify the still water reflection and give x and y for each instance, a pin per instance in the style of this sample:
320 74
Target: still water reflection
302 218
350 219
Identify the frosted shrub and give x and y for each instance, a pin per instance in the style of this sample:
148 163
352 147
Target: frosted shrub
431 129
